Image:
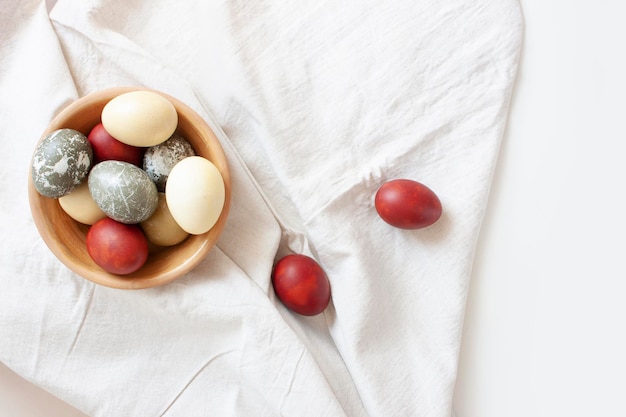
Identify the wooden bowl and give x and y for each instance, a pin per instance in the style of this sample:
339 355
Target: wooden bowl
66 238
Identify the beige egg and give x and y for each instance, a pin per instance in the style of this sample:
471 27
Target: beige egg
80 206
161 229
195 194
140 118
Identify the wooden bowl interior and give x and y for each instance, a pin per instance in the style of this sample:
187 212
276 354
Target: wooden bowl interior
66 238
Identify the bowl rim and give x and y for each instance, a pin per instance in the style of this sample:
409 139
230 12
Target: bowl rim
135 280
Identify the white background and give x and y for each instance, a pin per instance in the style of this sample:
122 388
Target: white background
545 332
545 327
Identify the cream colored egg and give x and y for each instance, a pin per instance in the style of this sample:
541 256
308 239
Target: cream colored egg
140 118
195 194
161 229
80 206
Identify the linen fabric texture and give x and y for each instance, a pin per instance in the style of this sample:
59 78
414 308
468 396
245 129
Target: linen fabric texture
316 105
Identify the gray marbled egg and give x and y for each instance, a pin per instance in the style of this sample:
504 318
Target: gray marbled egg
123 191
61 162
159 160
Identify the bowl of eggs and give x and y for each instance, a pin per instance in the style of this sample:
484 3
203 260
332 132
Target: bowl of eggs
129 188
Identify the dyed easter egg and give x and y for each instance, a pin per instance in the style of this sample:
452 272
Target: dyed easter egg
61 162
140 118
116 247
159 160
80 206
106 147
195 194
123 191
301 284
407 204
161 229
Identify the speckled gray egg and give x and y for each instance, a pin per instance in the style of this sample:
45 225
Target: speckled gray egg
61 162
159 160
123 191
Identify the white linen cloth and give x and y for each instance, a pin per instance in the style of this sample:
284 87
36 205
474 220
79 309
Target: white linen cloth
316 104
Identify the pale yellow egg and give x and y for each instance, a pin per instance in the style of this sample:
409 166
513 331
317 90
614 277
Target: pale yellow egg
80 206
140 118
195 194
161 229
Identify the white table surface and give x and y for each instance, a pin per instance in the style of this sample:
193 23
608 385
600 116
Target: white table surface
545 327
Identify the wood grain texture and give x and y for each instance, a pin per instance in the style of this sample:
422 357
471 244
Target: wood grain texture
66 237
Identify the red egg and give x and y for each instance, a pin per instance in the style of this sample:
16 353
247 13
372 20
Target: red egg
116 247
407 204
106 148
301 284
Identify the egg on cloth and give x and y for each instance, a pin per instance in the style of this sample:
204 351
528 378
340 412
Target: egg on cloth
61 162
301 284
123 191
195 194
159 160
407 204
140 118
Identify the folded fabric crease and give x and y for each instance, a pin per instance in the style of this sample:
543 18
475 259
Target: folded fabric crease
316 105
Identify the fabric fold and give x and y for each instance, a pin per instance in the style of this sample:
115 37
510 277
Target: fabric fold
315 105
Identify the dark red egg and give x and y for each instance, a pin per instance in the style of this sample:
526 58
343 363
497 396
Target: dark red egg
407 204
107 148
117 248
301 284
